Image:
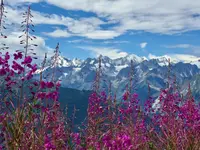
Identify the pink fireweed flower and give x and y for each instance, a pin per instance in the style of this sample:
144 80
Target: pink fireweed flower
2 71
2 117
58 85
41 95
126 95
12 73
22 78
76 138
52 95
29 65
8 78
7 56
27 60
17 66
48 144
35 83
49 85
29 76
34 67
55 95
148 106
10 83
18 55
49 95
2 61
42 85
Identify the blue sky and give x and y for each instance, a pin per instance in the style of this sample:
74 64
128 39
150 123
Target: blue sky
114 28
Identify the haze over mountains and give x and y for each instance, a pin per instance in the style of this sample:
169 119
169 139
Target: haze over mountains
80 74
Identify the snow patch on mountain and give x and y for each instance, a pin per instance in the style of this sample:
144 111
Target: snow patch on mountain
77 62
118 68
63 62
77 69
156 105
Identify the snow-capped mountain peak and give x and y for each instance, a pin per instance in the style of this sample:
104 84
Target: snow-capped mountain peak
76 62
64 62
134 58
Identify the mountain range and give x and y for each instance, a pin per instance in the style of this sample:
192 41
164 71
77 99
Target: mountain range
80 74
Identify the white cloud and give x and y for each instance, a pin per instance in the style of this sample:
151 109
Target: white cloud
83 27
192 49
58 33
105 42
151 56
143 45
186 58
13 42
105 51
14 15
165 17
158 16
179 46
116 42
19 2
14 18
101 34
88 33
176 57
77 41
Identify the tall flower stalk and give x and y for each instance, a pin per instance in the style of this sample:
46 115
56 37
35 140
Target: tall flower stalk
2 16
55 63
96 84
27 29
42 67
2 26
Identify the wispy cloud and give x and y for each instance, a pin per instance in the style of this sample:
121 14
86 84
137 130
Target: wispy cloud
105 51
101 34
179 46
192 49
104 42
58 33
77 41
186 58
115 42
143 45
19 2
